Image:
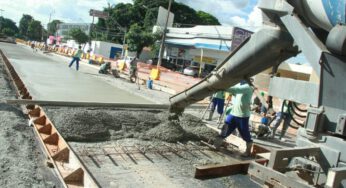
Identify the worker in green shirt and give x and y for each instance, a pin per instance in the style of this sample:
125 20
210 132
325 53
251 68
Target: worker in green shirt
285 115
76 57
239 116
218 100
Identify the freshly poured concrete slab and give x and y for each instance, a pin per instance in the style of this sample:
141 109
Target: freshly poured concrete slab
49 78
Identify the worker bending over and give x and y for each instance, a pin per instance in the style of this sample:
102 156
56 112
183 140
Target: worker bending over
239 116
105 68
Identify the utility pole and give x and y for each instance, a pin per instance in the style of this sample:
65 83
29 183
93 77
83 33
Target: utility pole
1 10
50 17
162 46
91 27
124 43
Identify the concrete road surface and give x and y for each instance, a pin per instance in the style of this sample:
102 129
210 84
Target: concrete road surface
48 77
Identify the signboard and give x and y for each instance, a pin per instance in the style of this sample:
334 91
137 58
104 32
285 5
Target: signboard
239 36
99 14
207 60
162 17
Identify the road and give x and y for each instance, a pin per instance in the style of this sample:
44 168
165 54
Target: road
48 77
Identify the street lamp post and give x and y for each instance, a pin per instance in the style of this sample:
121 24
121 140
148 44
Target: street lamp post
162 46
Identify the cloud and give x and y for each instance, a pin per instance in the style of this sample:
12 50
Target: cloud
252 22
255 18
229 12
238 21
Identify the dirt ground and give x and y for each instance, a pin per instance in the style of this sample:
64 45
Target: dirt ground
22 163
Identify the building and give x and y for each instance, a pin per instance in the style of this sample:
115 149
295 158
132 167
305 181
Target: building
65 28
202 47
302 72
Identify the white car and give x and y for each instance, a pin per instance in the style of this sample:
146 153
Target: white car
190 71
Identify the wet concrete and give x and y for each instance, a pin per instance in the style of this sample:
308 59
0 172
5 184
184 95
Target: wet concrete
48 78
104 124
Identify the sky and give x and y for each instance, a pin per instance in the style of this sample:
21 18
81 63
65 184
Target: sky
241 13
229 12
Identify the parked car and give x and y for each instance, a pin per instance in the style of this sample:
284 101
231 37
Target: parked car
190 71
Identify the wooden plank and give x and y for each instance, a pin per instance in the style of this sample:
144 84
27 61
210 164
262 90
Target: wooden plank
257 149
92 104
227 169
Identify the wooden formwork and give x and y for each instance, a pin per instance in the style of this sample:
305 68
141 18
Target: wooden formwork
66 163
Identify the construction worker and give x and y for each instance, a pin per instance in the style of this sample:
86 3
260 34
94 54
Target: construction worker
76 57
218 100
285 115
104 68
133 70
239 116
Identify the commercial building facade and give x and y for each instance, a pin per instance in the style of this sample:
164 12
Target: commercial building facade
202 47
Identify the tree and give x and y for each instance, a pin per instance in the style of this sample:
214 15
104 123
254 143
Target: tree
8 32
144 14
53 26
207 19
79 36
138 38
24 24
8 27
35 30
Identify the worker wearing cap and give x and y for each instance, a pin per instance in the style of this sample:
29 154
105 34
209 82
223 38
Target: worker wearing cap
239 116
218 100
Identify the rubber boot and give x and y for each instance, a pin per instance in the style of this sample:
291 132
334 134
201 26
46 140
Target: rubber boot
218 142
211 115
247 152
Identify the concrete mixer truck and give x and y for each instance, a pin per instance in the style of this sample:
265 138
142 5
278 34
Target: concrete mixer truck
315 28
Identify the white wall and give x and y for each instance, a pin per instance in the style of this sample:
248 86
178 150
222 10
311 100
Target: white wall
98 47
103 48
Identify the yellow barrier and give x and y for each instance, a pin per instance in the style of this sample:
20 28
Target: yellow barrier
121 65
20 41
100 60
155 74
